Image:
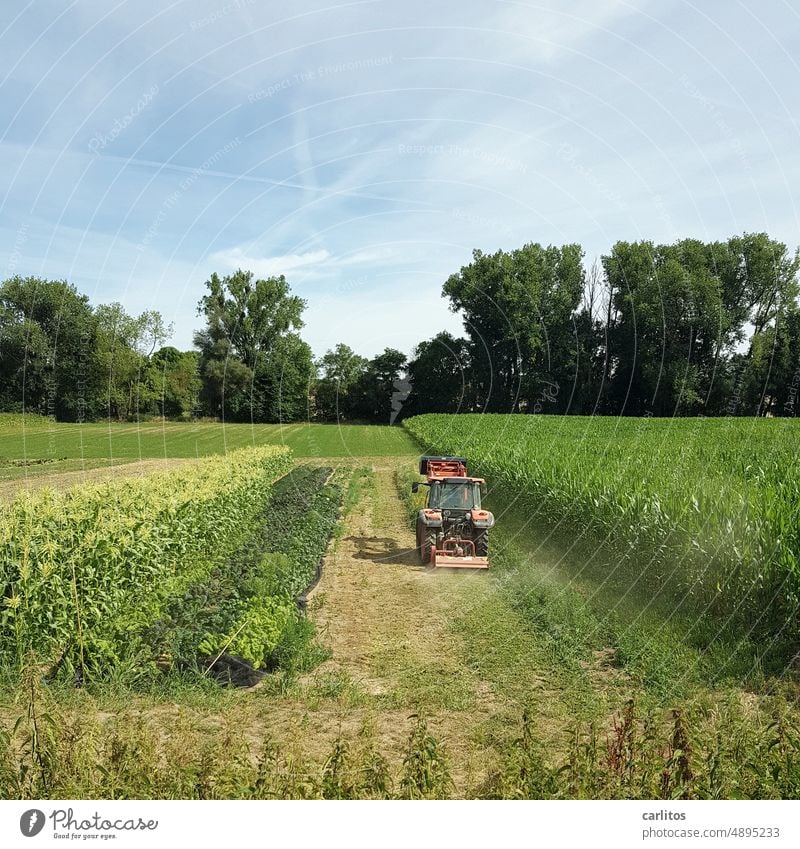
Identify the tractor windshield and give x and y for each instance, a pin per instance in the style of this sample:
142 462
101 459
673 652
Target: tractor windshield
455 496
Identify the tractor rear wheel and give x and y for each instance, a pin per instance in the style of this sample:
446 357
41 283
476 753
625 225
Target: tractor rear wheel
426 542
482 544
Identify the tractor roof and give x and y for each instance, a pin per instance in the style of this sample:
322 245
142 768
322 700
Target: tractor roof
451 479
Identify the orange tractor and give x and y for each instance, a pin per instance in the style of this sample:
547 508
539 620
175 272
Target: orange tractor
452 528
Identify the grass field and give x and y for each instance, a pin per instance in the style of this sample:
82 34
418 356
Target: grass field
38 439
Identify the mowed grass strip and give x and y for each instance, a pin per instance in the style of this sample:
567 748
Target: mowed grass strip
34 437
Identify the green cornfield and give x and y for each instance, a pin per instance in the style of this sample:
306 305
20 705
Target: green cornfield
711 507
84 572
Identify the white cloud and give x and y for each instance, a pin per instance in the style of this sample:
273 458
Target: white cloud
268 266
312 264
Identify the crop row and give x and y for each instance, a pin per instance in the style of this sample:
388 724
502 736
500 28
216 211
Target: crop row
711 506
247 609
83 573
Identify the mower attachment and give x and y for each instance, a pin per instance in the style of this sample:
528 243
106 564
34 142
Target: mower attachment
458 554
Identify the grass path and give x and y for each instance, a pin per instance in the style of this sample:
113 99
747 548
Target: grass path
407 641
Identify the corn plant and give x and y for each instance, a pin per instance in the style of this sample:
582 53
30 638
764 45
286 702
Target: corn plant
710 506
83 572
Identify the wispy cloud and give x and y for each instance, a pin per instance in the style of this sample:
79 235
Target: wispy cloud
267 266
309 265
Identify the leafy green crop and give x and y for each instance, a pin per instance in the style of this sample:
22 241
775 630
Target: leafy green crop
301 516
247 607
83 573
261 623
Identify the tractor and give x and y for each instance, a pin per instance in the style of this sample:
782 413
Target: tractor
452 528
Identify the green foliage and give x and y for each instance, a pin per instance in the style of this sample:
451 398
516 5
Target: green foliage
122 350
426 774
360 480
47 338
404 476
518 309
247 606
250 314
767 381
68 361
174 382
11 423
336 782
258 631
253 367
284 378
301 516
723 751
296 651
440 376
34 735
83 573
679 311
693 753
563 620
226 380
339 371
371 396
658 331
525 773
654 329
80 363
350 387
709 504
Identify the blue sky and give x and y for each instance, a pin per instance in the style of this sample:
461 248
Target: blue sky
364 149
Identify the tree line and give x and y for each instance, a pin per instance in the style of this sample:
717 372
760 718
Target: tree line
691 328
61 357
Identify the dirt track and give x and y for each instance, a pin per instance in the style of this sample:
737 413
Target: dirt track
378 601
389 625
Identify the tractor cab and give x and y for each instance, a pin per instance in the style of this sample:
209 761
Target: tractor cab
455 494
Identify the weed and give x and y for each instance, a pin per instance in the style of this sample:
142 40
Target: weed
425 773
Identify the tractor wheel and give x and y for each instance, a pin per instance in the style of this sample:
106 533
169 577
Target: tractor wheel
482 544
426 542
428 547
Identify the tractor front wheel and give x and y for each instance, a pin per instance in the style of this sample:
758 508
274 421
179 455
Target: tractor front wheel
482 544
